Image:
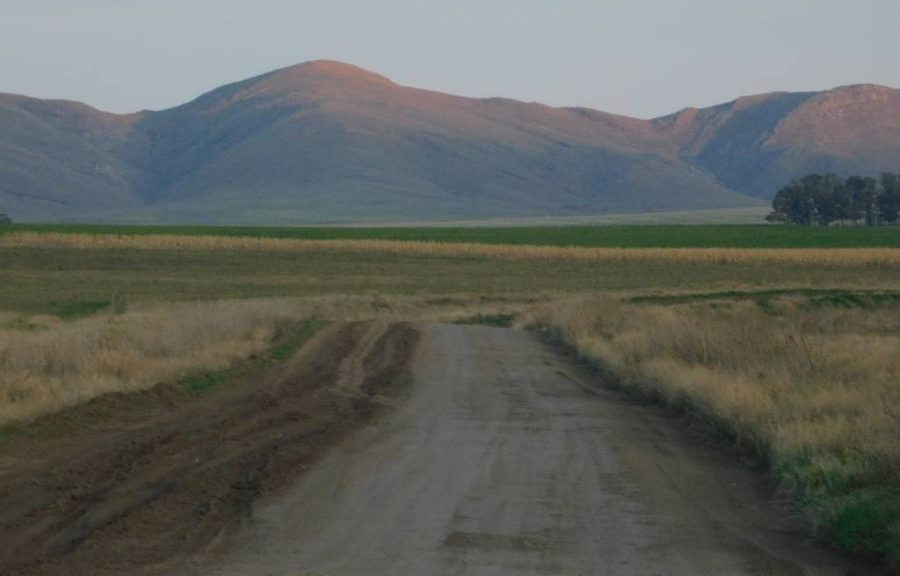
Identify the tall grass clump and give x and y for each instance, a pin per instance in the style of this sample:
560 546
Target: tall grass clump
815 391
52 366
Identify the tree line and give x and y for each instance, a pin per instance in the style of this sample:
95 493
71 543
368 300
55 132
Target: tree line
826 199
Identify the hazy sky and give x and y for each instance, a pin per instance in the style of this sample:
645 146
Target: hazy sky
637 57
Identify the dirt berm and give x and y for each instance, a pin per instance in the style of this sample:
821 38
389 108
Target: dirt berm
129 483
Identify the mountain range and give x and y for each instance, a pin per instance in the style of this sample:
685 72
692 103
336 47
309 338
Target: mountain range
326 142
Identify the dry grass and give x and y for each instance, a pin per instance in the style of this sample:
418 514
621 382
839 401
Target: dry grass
771 376
45 369
813 390
880 257
47 364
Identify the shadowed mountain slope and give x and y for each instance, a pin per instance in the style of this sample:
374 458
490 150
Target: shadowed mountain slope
56 156
329 142
757 144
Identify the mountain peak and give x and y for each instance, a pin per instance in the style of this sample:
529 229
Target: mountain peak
313 79
332 70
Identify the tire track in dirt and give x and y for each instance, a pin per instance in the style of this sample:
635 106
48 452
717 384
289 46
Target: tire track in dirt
507 459
129 482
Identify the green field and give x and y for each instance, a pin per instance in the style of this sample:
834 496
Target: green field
618 236
72 281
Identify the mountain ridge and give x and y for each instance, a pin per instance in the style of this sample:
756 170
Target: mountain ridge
326 141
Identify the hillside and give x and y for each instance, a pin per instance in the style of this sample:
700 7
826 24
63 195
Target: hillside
56 157
329 142
757 144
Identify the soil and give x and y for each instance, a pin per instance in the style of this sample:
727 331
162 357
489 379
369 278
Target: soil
145 481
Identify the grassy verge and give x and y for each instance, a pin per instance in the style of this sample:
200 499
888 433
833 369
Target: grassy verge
813 297
811 391
47 364
499 320
286 341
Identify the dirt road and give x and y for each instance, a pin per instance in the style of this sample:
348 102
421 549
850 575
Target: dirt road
140 483
506 460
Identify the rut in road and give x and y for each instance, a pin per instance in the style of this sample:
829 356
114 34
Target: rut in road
506 460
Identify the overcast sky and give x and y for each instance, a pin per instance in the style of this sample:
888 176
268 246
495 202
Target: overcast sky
638 57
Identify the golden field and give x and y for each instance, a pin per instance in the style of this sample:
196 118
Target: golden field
814 256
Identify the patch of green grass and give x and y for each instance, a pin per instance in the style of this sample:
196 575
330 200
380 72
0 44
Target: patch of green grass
867 300
725 295
813 297
286 342
499 320
868 523
857 512
611 236
10 431
205 381
81 308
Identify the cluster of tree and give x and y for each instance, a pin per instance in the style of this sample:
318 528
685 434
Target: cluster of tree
4 219
827 198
